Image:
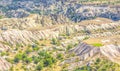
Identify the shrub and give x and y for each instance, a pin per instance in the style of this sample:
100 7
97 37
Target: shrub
48 62
36 60
35 47
59 56
3 53
55 41
47 58
17 58
28 51
39 67
28 60
85 38
69 46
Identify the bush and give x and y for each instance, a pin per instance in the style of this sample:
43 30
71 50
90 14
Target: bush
55 41
3 53
35 47
85 38
28 60
28 51
36 60
17 58
98 60
48 62
39 67
24 55
69 46
59 56
46 57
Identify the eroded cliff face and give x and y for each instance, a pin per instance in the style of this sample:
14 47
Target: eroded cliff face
85 54
36 27
112 52
27 30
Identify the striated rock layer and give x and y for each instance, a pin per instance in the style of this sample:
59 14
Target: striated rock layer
85 53
4 65
26 36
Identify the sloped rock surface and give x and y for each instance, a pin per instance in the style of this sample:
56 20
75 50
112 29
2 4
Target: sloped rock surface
4 47
4 65
85 53
112 52
15 35
87 49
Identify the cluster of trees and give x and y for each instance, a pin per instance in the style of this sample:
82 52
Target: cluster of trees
23 57
100 65
41 58
44 59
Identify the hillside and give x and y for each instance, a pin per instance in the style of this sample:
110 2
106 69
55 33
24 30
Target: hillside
59 35
30 35
75 10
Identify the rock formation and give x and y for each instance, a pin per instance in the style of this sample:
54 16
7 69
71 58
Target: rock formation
84 53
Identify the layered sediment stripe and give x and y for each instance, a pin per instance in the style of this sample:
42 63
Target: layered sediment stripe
4 65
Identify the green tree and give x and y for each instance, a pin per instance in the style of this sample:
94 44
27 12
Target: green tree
39 67
28 60
59 56
69 46
54 41
17 58
36 60
48 62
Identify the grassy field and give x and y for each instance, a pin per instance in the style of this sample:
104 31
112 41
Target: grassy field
97 44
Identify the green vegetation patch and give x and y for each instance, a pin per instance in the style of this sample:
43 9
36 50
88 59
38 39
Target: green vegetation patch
1 17
43 59
97 44
100 65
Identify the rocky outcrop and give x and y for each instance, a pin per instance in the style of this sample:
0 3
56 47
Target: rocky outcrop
84 53
112 52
